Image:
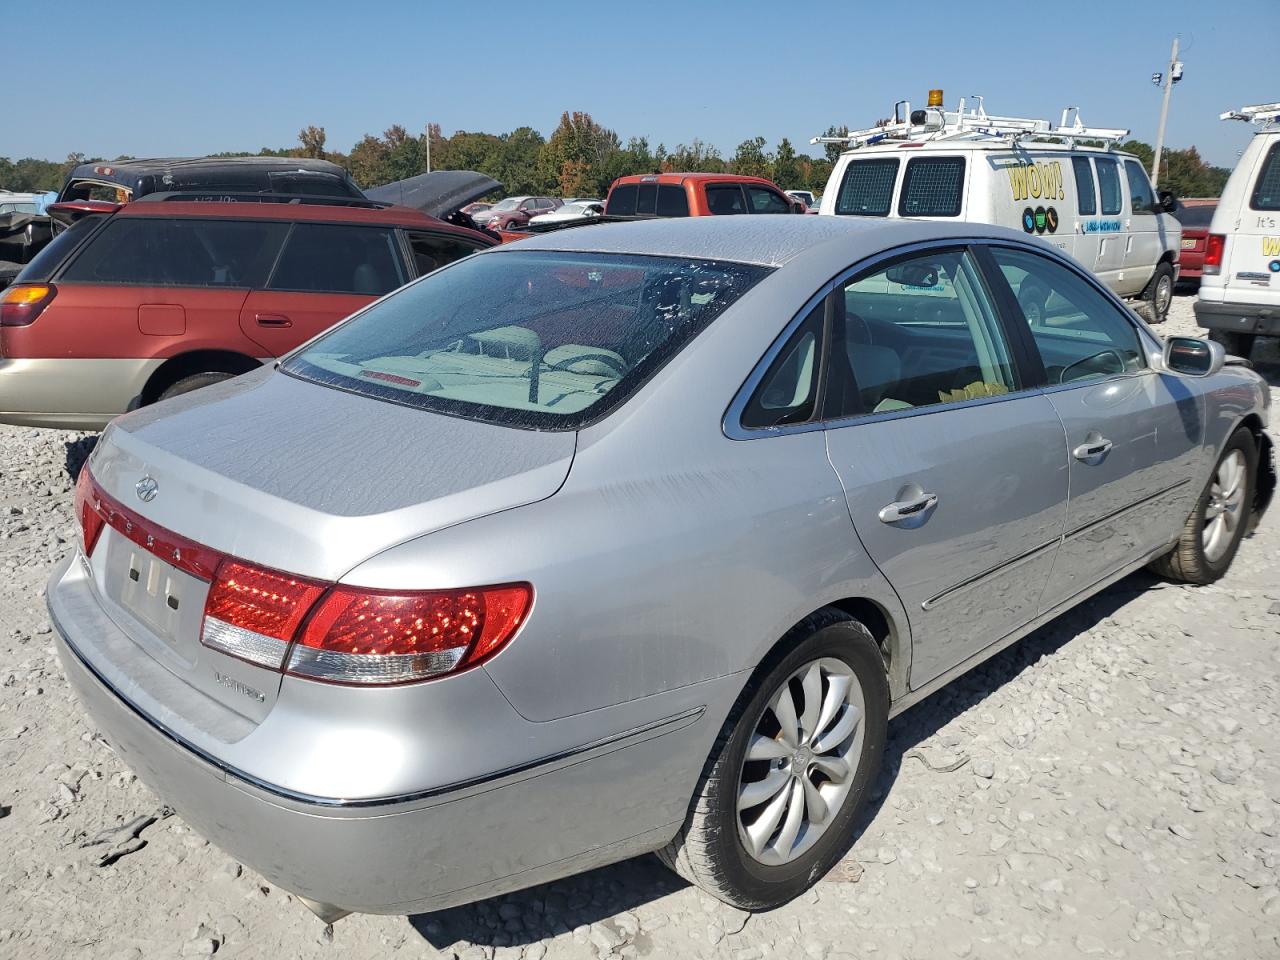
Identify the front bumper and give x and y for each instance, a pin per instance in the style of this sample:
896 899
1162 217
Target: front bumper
613 799
1238 317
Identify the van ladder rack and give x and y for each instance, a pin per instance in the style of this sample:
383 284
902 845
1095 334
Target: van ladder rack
935 123
1263 113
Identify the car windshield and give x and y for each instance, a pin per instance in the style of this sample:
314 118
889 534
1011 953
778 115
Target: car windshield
507 204
541 340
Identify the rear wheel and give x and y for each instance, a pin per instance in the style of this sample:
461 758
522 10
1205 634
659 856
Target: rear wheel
1211 536
1159 292
1238 344
194 382
774 809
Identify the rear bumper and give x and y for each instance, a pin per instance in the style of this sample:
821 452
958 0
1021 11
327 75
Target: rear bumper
426 851
1238 317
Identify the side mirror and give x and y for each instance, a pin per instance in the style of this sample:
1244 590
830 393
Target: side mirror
1168 202
1193 357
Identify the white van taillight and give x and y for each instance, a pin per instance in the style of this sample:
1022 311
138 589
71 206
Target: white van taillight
1214 245
354 635
361 636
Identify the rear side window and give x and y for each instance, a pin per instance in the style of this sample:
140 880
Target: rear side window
724 199
328 258
1140 196
672 201
1086 196
788 392
179 253
46 261
1266 192
764 200
1109 186
932 187
622 201
867 188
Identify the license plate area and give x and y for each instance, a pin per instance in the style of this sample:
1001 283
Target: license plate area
1188 243
153 592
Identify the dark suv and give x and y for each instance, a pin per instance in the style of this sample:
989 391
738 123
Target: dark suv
164 295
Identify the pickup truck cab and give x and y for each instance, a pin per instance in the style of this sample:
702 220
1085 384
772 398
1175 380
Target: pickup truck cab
695 195
1240 281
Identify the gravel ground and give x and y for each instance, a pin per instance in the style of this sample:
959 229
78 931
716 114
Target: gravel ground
1108 787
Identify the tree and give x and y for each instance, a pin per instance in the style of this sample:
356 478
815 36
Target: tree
750 160
312 140
369 162
786 167
697 157
833 150
519 156
580 140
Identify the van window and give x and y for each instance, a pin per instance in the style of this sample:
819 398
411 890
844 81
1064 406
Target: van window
147 251
1109 186
1266 192
867 188
1086 197
932 187
672 201
1141 199
622 201
324 257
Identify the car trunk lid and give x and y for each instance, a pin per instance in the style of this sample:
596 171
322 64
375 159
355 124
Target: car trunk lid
440 193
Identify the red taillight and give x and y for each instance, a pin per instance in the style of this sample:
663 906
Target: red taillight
1214 246
88 510
252 613
21 303
363 636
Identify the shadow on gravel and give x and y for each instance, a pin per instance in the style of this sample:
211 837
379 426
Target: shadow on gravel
554 908
78 452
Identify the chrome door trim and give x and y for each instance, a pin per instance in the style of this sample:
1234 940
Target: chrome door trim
1085 528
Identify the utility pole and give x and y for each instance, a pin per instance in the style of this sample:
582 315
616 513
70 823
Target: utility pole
1173 75
429 144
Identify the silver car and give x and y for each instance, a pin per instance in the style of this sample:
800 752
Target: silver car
628 539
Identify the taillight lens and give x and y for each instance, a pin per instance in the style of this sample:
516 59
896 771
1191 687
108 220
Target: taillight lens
88 511
252 613
21 303
361 636
1214 245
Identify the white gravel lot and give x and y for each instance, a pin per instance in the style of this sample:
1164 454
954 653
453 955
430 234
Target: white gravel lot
1107 787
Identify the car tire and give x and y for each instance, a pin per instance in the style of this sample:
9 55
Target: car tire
1212 534
1238 344
194 382
712 848
1159 292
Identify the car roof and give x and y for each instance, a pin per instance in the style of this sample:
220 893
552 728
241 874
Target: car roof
292 212
690 177
764 240
139 166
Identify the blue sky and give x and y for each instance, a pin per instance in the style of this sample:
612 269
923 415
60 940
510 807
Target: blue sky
187 78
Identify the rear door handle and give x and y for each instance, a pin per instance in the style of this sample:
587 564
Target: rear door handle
904 509
1092 449
272 320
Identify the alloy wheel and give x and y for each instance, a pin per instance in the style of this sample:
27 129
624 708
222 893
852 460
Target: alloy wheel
1223 510
800 761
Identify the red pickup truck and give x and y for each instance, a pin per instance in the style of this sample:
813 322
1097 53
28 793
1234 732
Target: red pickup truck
695 195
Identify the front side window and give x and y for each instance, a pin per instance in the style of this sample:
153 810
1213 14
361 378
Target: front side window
1141 198
672 201
932 187
541 340
330 258
764 200
154 252
1086 196
922 332
1266 192
1080 334
1109 186
724 199
867 187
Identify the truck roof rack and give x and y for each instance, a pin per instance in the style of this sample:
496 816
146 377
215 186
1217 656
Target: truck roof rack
1263 113
974 124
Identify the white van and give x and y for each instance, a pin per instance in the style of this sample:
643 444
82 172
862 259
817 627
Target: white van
1240 288
1095 203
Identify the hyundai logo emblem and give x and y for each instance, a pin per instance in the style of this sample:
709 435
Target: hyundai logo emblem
147 488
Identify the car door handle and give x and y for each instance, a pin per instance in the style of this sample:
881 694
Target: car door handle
904 509
1092 449
272 320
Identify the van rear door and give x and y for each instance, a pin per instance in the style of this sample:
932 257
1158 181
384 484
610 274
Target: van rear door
1251 264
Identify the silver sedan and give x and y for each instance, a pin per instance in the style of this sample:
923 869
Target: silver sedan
628 539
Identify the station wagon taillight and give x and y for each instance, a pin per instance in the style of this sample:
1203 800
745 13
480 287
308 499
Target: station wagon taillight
1214 245
21 303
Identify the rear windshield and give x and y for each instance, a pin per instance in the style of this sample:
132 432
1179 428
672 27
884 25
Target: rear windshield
932 187
541 340
867 188
1201 215
1266 193
622 201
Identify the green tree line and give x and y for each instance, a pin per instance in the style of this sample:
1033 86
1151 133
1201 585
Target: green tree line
581 158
